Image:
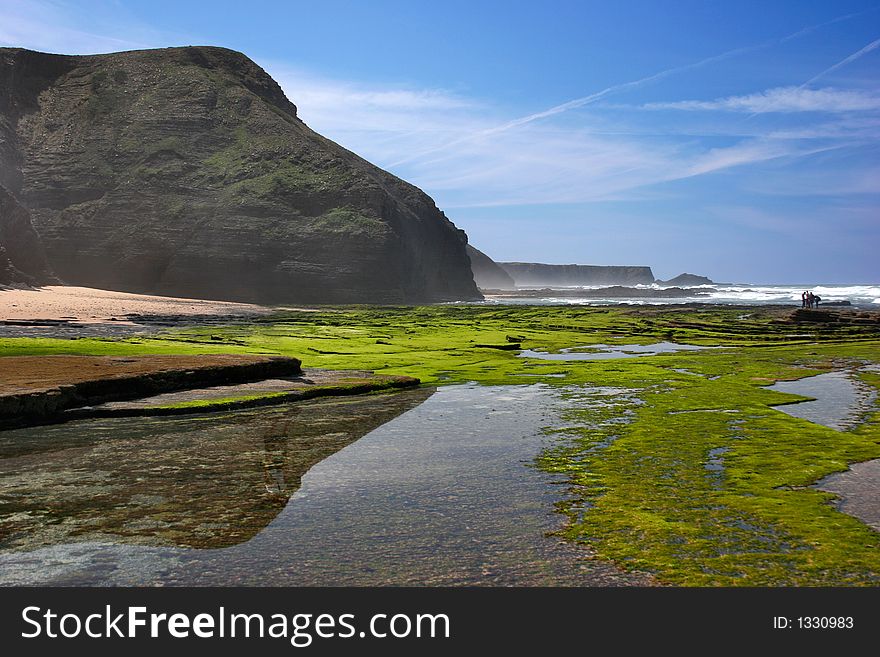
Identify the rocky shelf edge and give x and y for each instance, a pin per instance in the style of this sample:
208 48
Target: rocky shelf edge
48 405
375 383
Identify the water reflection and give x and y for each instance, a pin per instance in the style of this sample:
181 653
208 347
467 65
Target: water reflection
204 481
443 494
839 402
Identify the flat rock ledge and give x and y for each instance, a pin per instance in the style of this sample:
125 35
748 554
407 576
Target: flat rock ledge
310 384
41 389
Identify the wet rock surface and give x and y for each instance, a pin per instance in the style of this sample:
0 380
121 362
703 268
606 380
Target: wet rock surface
858 490
119 327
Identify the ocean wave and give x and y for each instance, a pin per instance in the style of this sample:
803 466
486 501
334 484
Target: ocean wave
735 294
783 294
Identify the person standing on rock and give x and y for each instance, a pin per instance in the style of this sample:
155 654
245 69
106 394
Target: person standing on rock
804 299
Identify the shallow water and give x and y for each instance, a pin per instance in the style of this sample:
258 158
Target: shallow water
608 352
442 494
840 403
198 481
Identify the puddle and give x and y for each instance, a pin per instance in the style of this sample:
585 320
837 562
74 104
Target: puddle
858 490
608 352
841 401
682 370
714 466
440 491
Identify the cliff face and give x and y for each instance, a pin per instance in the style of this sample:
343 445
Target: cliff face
21 255
538 274
488 275
185 171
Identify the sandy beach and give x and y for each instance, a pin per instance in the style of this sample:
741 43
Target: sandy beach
86 305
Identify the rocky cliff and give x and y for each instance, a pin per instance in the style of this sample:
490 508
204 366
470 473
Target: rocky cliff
529 274
21 255
488 275
186 171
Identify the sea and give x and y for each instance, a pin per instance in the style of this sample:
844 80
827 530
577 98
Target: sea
861 296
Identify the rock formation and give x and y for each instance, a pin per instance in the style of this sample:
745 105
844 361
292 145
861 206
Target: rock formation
531 274
22 259
686 280
487 273
186 171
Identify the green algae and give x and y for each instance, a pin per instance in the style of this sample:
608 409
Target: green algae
219 402
344 387
641 493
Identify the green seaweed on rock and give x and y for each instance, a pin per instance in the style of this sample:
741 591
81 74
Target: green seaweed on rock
688 474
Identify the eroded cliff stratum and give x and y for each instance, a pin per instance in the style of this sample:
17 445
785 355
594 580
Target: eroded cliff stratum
186 171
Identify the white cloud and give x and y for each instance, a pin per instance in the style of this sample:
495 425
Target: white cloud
343 104
782 100
751 152
408 130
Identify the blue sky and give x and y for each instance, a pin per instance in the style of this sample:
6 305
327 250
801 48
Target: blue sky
733 139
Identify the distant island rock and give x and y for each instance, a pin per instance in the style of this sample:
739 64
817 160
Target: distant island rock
487 272
532 274
186 172
22 260
686 280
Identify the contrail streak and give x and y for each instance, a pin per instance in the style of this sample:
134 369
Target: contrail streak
843 62
617 88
